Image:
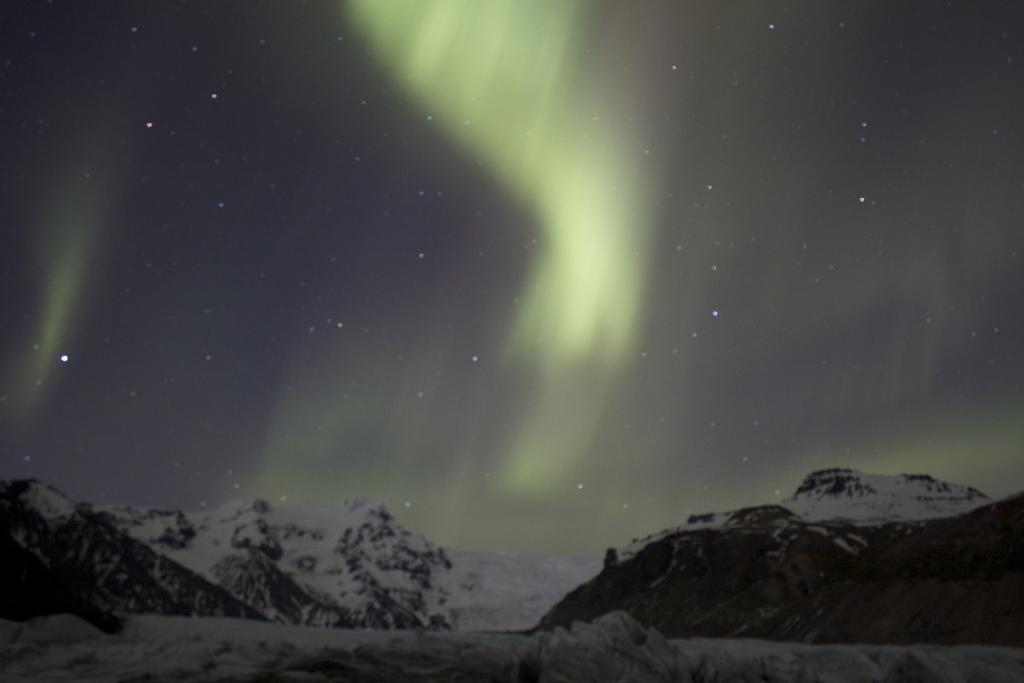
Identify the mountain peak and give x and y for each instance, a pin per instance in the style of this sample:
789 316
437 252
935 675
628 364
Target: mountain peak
847 495
831 481
843 493
51 504
239 507
345 510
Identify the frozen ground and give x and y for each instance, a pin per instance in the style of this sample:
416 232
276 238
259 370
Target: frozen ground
613 648
491 591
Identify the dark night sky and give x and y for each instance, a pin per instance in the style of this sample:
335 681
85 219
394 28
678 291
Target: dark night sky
541 276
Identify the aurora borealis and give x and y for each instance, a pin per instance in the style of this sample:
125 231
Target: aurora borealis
539 275
503 78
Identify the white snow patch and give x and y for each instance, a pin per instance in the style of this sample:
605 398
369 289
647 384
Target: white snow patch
845 546
50 503
491 591
857 497
857 539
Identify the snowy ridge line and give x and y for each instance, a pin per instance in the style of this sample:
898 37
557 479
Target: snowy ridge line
341 552
348 564
847 496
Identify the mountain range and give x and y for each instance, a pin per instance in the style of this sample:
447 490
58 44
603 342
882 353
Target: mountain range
850 557
345 565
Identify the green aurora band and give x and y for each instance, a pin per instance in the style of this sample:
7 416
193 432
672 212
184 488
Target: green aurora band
503 81
64 245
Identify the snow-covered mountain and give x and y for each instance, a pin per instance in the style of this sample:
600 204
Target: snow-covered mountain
348 564
59 557
846 495
356 566
863 498
344 565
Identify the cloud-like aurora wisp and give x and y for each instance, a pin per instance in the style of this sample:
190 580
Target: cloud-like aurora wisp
503 79
65 246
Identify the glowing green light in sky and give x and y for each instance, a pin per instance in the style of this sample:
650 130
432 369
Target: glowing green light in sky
65 243
503 80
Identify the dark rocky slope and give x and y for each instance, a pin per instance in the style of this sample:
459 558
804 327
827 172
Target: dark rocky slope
769 573
61 558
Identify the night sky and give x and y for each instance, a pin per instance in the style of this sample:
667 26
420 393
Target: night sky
539 275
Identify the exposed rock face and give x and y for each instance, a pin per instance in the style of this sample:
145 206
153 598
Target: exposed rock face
256 578
767 572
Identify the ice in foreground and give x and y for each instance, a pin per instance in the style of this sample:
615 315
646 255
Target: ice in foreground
612 648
